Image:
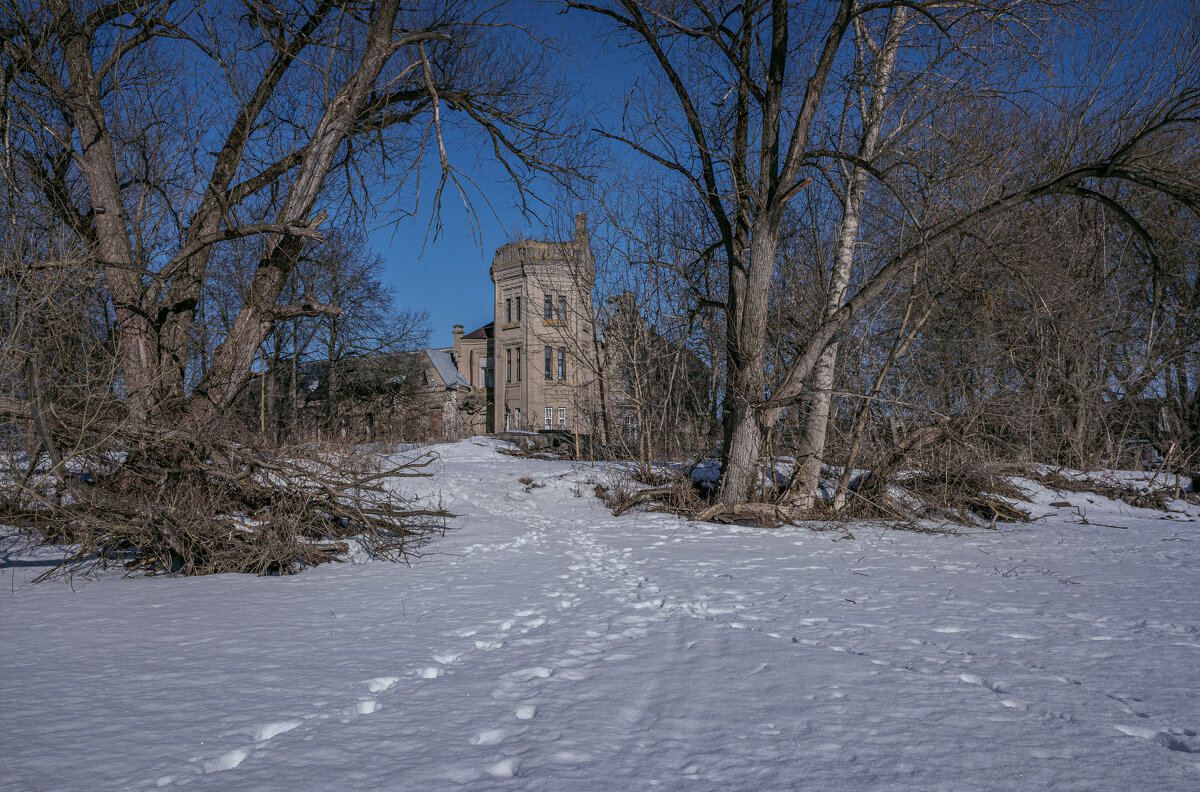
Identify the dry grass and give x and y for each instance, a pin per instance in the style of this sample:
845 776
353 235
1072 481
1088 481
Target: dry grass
529 483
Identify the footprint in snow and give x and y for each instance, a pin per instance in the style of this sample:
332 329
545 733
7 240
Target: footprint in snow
364 707
380 684
1164 738
264 733
493 736
231 759
505 768
1126 704
226 761
526 674
974 679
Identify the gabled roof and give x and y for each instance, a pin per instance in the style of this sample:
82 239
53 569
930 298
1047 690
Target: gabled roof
443 362
482 332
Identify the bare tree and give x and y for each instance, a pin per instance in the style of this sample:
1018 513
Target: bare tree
750 154
142 172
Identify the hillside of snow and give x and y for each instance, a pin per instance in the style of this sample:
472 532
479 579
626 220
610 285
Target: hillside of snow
547 645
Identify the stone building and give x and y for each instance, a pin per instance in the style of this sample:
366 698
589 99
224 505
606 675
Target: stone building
473 354
542 334
527 370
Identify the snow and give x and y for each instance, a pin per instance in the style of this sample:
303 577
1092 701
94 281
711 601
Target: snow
547 645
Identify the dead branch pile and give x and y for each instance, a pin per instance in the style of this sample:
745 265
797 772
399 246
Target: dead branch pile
677 495
195 503
1142 497
951 481
961 494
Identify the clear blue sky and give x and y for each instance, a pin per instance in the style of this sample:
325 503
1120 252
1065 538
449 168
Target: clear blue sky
448 276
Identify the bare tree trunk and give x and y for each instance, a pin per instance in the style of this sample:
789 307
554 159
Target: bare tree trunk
747 311
747 377
811 453
108 229
294 400
234 357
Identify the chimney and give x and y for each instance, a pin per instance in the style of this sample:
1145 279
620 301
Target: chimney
581 230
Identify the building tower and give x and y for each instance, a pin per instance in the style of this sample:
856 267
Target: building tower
543 341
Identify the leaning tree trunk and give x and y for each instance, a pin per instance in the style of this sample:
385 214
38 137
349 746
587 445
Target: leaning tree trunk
187 281
811 453
233 360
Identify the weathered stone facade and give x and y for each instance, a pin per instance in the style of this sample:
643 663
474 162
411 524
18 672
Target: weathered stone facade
543 335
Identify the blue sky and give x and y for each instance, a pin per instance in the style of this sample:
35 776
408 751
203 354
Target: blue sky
448 276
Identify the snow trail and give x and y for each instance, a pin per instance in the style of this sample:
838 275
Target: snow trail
547 645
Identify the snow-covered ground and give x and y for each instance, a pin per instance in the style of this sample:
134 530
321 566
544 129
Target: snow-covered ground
547 645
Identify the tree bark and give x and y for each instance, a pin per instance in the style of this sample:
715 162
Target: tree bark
233 359
811 454
113 247
750 280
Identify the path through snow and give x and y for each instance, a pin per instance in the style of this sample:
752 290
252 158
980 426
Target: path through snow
550 646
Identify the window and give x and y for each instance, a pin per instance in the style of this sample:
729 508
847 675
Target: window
548 351
471 368
508 310
546 309
549 417
507 421
562 307
562 417
518 309
562 364
508 365
518 364
517 419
